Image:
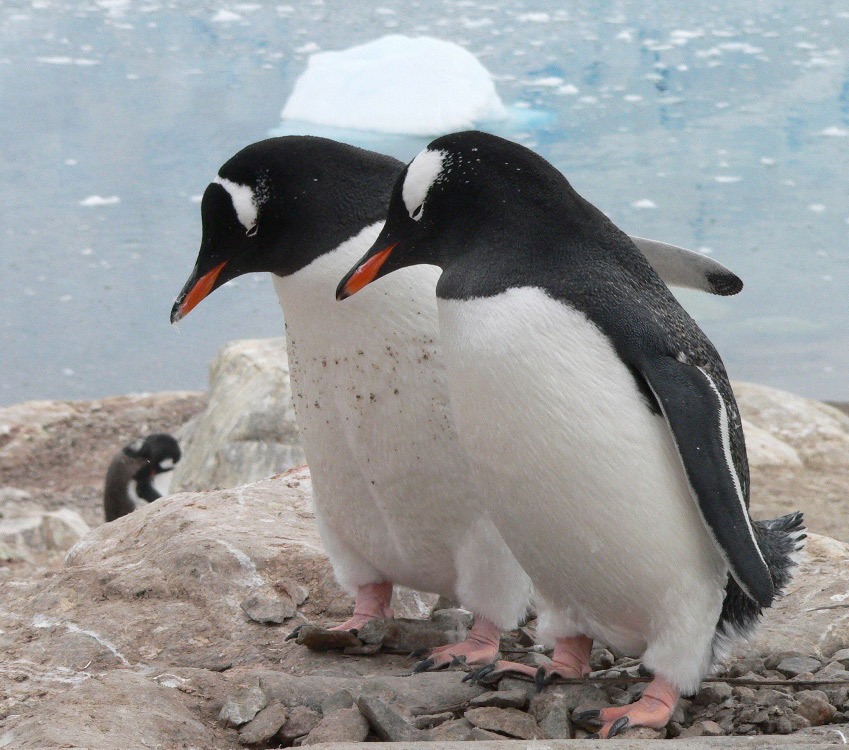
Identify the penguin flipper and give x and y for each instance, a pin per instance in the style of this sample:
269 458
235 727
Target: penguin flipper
698 418
680 267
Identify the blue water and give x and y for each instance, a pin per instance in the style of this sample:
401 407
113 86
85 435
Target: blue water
722 126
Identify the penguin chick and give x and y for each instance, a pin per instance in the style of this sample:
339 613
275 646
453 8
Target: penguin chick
392 498
597 418
132 471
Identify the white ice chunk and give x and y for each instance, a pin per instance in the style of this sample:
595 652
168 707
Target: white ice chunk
225 16
99 200
644 203
396 84
835 132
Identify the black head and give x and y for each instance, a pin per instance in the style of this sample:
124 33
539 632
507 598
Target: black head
464 190
279 204
160 451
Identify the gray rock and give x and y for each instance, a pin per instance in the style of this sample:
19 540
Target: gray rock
264 725
501 699
248 430
243 706
429 721
342 725
814 706
484 735
509 721
42 531
842 656
641 733
713 692
334 702
458 730
601 658
454 620
268 608
552 711
387 723
796 665
300 722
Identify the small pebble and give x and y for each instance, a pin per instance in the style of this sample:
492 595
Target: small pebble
509 721
342 725
264 726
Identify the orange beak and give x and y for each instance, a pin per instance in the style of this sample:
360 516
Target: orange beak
365 273
202 287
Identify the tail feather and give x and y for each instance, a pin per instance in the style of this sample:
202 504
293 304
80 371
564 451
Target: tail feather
781 540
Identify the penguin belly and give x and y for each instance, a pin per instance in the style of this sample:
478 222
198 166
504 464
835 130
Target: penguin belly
392 488
584 481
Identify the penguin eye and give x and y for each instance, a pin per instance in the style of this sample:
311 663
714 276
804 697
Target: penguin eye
417 212
253 230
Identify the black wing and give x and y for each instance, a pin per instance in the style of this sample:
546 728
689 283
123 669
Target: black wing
698 417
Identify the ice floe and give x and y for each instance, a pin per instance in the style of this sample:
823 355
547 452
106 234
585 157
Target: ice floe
396 84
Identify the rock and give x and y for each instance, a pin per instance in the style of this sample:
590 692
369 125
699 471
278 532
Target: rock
713 692
429 721
641 733
601 658
501 699
819 433
842 656
342 725
240 708
164 584
338 700
765 450
300 722
459 730
814 706
702 729
796 665
42 531
484 735
268 608
553 713
812 618
509 721
247 431
99 713
265 725
387 723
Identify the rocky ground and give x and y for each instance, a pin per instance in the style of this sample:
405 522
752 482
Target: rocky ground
167 628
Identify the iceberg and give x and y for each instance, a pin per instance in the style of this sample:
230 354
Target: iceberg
417 86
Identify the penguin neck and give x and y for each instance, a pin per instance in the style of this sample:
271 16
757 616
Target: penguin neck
394 308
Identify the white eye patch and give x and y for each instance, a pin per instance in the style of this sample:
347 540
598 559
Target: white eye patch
422 173
166 463
244 202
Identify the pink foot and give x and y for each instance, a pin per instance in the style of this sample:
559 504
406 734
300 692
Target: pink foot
653 709
571 659
479 647
372 603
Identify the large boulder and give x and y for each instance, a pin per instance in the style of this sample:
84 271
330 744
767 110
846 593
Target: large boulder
817 433
247 431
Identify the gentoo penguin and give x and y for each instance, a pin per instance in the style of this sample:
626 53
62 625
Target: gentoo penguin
392 498
130 475
597 418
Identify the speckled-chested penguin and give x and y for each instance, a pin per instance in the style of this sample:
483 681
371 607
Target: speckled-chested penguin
130 475
597 417
392 497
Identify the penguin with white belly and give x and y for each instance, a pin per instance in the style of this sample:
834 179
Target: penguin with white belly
392 498
597 418
132 471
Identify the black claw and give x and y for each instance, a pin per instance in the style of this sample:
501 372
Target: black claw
541 679
419 653
594 737
293 634
618 726
479 674
589 718
423 666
